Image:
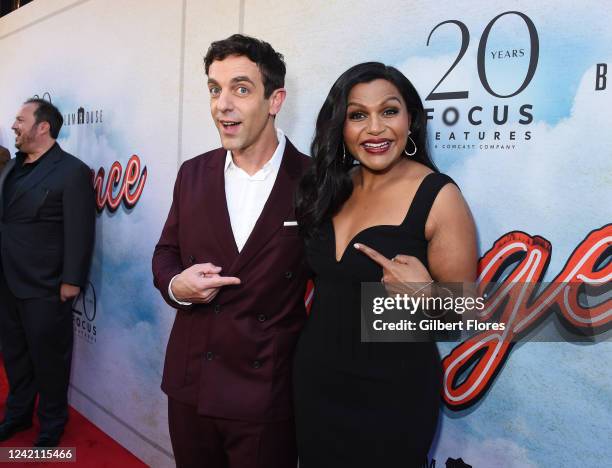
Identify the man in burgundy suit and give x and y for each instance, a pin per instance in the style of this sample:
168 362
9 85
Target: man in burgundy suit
230 260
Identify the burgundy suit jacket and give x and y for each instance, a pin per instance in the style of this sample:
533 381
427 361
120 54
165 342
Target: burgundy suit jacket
232 358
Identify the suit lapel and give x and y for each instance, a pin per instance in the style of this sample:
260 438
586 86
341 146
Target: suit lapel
46 166
276 209
8 168
217 202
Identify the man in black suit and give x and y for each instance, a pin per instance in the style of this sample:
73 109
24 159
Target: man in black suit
47 214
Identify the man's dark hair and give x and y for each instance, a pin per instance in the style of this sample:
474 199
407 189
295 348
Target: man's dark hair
47 112
271 64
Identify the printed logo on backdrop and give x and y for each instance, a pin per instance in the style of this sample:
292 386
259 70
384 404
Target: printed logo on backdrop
472 367
501 123
601 77
84 116
84 314
81 116
121 187
46 96
450 463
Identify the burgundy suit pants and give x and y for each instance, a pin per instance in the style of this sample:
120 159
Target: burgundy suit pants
205 442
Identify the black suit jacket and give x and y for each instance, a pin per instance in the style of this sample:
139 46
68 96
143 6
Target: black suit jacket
47 230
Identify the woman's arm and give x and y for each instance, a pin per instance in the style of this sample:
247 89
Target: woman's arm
452 251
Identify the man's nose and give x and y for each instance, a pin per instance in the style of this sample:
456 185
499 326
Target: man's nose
225 101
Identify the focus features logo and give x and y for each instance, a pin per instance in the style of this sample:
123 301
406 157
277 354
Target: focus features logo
465 120
84 314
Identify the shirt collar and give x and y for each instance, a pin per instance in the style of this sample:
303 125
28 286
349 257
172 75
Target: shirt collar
270 167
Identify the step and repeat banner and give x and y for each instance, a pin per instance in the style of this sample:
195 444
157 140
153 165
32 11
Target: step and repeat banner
519 107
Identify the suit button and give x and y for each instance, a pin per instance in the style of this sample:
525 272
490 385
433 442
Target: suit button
217 308
191 259
288 275
256 364
210 356
262 318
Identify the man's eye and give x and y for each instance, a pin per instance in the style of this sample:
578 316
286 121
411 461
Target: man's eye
214 91
356 116
242 90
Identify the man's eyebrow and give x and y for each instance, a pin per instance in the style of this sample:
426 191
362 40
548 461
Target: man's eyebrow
212 81
240 79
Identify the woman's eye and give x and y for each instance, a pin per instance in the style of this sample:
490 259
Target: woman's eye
391 111
356 115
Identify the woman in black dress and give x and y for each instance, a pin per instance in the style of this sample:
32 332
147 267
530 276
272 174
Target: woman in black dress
373 207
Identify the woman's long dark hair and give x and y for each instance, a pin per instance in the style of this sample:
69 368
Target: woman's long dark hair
327 184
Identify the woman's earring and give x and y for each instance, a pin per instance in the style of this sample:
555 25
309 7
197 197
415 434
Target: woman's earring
343 153
413 144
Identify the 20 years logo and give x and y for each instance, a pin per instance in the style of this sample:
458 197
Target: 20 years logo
84 309
469 136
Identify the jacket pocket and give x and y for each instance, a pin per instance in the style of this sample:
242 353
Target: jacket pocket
289 231
45 195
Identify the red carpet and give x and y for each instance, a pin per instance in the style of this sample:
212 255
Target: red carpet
93 447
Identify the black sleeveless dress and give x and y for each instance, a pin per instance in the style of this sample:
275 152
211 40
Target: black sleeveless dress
360 404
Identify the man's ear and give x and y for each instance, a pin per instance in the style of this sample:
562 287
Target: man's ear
44 127
276 100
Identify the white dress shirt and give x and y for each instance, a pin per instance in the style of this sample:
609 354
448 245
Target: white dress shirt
246 195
